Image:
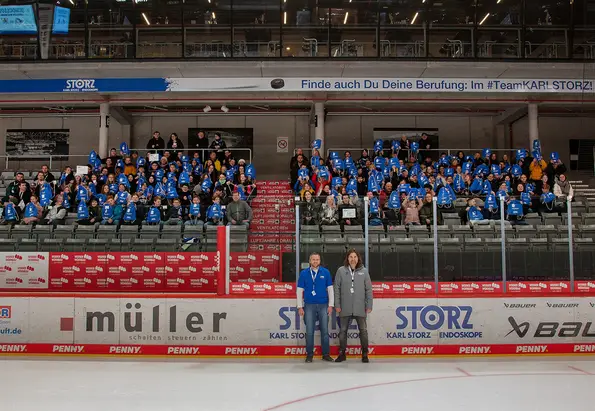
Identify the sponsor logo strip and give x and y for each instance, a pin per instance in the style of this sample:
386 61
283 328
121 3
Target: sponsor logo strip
291 351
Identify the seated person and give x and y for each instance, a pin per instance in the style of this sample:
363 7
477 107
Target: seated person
475 213
194 214
56 212
348 212
215 212
156 213
112 213
89 215
175 215
33 211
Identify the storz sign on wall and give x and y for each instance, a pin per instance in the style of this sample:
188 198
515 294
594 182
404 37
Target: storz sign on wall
425 326
368 85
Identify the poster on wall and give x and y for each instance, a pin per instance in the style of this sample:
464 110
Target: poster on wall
36 143
412 134
239 138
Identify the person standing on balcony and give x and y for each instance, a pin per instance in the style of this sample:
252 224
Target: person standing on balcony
218 145
156 143
315 301
175 145
201 145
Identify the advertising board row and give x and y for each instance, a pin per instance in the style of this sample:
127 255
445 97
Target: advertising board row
131 271
265 327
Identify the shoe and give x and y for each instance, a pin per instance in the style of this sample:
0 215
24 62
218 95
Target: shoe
309 358
341 357
327 358
365 358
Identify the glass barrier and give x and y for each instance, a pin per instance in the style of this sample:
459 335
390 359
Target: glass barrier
542 244
111 42
159 42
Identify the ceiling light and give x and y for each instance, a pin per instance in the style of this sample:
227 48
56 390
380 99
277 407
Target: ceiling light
484 19
206 109
498 2
284 17
224 109
72 2
345 19
146 19
214 17
287 48
415 18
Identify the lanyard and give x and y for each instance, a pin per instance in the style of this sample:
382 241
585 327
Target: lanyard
314 275
352 276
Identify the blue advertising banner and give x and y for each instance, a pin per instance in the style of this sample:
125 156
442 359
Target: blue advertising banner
17 20
61 20
104 85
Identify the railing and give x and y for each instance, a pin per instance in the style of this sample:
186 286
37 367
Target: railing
274 41
59 161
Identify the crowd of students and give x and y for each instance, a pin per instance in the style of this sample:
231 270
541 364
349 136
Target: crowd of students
401 177
164 187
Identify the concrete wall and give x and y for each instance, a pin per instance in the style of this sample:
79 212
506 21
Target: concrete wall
341 131
554 133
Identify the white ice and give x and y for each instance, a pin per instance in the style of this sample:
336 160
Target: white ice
542 384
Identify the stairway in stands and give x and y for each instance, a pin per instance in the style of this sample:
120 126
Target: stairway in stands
273 224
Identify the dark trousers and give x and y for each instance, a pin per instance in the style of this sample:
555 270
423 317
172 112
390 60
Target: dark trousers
363 332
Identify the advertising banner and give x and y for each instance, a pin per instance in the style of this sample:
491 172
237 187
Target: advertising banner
26 271
405 326
255 266
191 271
290 84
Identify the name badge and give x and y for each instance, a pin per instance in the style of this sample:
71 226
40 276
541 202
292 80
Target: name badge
313 293
351 290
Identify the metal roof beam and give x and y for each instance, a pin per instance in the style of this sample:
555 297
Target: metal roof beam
510 115
121 115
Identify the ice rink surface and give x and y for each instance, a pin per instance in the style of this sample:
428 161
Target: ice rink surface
495 384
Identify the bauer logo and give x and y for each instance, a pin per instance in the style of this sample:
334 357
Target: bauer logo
431 321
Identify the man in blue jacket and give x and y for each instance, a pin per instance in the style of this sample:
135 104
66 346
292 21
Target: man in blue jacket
315 301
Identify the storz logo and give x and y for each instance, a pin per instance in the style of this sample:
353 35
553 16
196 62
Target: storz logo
80 85
5 311
551 329
433 317
451 322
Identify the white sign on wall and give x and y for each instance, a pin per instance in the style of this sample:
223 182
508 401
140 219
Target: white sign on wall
282 145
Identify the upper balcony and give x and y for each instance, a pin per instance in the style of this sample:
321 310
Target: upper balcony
318 29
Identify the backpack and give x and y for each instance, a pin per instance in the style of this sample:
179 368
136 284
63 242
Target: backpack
31 211
130 214
82 211
154 215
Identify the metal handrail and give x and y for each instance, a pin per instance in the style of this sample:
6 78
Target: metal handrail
71 159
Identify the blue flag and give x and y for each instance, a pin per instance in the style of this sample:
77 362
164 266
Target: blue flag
82 211
31 211
130 214
154 215
394 201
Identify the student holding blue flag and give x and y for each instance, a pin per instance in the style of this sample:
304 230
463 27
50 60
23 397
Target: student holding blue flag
33 211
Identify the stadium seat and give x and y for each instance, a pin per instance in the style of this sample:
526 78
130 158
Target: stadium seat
106 231
377 231
167 245
588 218
579 207
539 244
143 244
563 231
193 231
547 231
120 244
19 232
310 244
331 231
450 244
396 232
98 245
525 231
443 231
483 231
128 232
559 244
584 244
148 232
334 245
517 244
473 244
85 232
509 231
52 244
63 231
210 243
74 244
385 245
171 232
418 231
5 231
8 245
353 232
310 231
403 244
451 219
551 219
358 243
28 245
576 219
462 232
533 219
70 219
41 232
587 231
424 244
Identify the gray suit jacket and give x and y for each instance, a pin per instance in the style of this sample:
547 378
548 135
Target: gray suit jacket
357 303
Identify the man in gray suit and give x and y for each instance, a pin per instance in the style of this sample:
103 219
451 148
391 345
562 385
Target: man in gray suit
353 300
